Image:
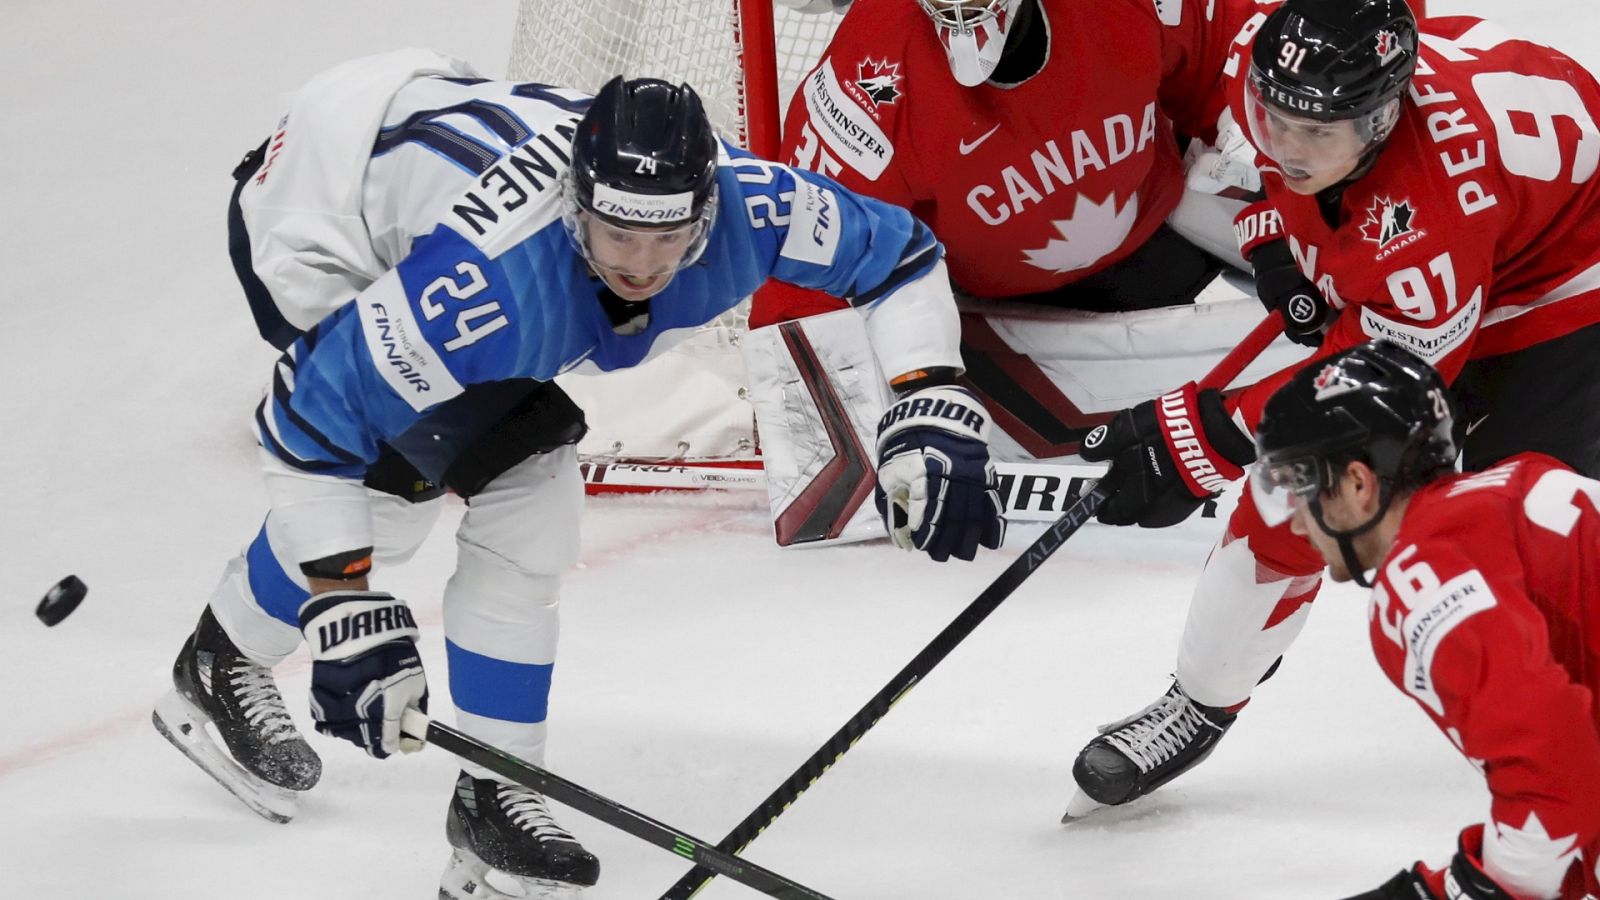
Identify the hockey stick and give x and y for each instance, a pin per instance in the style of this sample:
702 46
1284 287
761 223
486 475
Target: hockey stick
641 826
979 609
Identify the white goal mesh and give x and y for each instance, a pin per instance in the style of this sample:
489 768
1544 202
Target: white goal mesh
689 403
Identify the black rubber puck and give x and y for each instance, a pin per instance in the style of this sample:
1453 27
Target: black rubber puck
61 600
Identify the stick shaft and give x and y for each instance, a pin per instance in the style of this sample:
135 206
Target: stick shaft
641 826
979 609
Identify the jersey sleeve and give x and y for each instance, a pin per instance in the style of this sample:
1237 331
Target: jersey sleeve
1203 44
814 233
1478 660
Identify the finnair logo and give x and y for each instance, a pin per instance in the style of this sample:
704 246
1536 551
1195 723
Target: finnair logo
646 208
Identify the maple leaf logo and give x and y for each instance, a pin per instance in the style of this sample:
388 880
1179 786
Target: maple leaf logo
1388 46
1332 381
878 80
1388 221
1094 230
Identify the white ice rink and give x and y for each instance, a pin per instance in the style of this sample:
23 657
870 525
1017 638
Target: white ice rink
699 665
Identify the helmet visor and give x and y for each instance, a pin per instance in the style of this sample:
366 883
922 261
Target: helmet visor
1312 148
639 250
1279 486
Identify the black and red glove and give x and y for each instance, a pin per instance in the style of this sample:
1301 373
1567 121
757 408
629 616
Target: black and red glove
1279 283
1465 878
1168 456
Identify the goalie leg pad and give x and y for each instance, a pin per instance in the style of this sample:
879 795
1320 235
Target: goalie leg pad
818 393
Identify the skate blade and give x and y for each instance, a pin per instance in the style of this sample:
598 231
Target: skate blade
1080 806
466 877
180 722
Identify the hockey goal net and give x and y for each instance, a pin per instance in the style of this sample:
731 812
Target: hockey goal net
744 58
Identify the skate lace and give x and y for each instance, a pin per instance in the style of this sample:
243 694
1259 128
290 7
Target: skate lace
1160 732
527 811
262 704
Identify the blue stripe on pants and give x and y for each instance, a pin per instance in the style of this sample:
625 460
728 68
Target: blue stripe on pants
274 590
496 689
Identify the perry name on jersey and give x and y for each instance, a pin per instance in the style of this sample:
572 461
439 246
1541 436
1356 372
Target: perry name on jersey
495 290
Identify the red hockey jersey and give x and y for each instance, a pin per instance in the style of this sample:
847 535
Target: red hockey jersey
1030 187
1477 232
1487 613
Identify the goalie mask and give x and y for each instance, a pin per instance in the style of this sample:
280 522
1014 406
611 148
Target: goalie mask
973 33
640 197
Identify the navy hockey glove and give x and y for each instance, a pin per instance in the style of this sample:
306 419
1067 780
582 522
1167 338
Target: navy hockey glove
1464 880
1168 456
1279 283
365 668
936 485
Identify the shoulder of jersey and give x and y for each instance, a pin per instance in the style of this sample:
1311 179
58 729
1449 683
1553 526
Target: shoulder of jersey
1476 502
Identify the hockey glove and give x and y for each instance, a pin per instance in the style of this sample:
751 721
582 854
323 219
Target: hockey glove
365 668
1279 283
1168 456
936 486
1463 880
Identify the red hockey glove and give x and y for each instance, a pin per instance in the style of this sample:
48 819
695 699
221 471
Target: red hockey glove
1279 284
1463 880
1169 454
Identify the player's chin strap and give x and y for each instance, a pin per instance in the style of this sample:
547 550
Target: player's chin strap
1346 537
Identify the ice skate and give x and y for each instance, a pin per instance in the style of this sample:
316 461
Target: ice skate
262 759
509 847
1134 756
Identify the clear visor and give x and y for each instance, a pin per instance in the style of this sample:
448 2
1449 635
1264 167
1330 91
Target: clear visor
1314 148
642 251
1278 487
973 33
638 253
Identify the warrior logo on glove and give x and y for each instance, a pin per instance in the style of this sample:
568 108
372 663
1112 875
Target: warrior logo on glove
937 490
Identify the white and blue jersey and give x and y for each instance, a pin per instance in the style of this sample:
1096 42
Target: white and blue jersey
495 289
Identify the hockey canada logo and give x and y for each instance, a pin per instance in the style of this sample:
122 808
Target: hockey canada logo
1332 381
1390 224
1387 47
878 80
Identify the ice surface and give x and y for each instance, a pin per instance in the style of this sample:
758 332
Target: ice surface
699 664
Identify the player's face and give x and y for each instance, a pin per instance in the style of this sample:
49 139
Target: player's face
639 262
1313 155
1305 524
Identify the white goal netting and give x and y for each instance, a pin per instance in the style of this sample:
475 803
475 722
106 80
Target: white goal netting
689 403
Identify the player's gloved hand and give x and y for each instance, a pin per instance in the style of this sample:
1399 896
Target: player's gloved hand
936 485
1168 455
365 668
1463 880
1280 285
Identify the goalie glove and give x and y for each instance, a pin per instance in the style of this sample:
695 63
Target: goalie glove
1465 878
936 485
365 669
1168 456
1280 285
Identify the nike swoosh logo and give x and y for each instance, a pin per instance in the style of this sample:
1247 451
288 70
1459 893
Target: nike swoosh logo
1474 426
968 148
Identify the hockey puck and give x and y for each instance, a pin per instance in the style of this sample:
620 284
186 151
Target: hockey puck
61 600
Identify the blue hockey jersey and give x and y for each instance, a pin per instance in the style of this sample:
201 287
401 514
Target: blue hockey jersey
496 290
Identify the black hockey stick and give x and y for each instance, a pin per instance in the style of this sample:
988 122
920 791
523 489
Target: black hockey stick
612 813
979 609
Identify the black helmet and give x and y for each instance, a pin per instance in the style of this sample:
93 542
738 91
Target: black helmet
1334 59
644 159
650 142
1377 402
